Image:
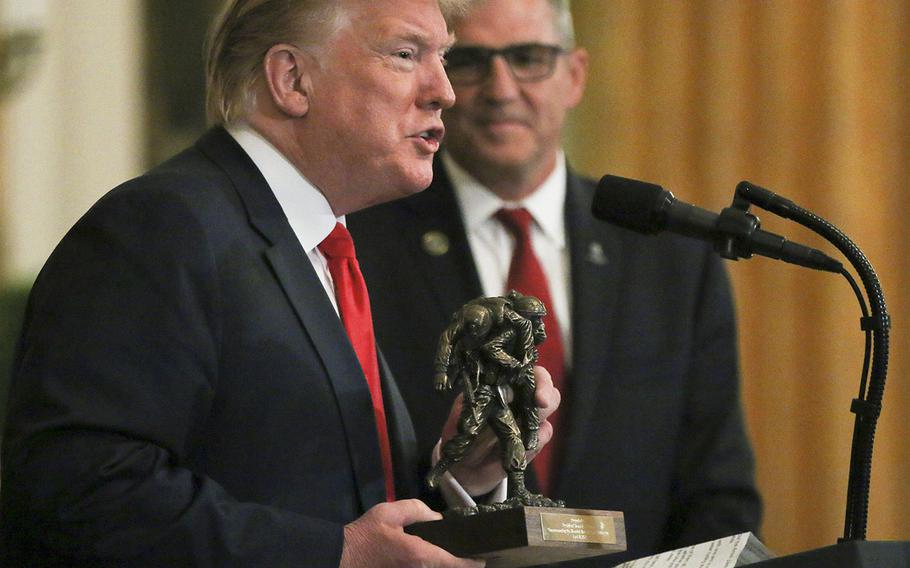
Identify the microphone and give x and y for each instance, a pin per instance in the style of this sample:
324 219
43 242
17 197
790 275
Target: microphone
648 208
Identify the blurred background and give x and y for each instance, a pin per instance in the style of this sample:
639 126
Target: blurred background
808 98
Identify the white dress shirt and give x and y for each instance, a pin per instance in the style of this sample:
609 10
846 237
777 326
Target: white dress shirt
306 208
492 244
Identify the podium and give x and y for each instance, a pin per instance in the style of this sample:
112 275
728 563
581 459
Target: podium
849 554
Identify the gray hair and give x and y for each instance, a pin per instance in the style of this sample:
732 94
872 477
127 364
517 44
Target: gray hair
562 12
246 29
562 19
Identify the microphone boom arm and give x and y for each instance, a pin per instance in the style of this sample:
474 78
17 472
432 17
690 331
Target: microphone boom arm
867 406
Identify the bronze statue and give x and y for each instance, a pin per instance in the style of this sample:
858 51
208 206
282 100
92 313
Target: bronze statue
490 349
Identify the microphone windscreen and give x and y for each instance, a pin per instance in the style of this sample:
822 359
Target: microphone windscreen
629 203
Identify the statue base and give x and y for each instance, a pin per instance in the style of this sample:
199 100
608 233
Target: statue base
527 536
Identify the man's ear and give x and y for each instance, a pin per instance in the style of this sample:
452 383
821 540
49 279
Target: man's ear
578 76
287 78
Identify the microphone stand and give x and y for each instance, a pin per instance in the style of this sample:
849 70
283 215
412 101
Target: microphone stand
867 406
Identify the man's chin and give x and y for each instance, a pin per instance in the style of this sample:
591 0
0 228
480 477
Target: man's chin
419 179
414 182
502 161
493 154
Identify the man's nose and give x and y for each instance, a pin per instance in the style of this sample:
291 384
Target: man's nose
438 93
500 83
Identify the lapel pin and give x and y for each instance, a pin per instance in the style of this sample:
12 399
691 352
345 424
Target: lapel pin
596 254
435 243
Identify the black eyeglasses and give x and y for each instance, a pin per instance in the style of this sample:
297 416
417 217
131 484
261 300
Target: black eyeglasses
528 62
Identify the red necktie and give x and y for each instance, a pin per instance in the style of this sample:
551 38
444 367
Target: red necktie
354 306
527 277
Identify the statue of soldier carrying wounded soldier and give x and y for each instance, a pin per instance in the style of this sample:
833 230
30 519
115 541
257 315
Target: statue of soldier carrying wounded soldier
490 349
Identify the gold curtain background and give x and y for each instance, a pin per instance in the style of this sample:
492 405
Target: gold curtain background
808 98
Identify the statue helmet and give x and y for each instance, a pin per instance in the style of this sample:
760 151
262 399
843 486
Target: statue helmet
527 306
476 319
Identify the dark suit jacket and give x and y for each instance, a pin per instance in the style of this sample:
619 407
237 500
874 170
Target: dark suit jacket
184 393
655 426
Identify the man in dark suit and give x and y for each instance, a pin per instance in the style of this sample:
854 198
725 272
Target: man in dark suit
652 422
184 392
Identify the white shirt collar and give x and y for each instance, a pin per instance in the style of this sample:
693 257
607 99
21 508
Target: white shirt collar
306 208
546 204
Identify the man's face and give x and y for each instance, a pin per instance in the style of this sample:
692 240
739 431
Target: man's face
501 125
540 331
377 100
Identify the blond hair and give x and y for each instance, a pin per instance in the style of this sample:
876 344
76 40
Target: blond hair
241 36
246 29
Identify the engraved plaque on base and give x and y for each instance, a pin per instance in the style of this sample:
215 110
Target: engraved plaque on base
527 536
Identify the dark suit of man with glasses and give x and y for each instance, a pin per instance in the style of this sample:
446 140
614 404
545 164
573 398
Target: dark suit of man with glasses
651 421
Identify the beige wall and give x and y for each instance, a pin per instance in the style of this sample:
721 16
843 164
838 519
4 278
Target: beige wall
73 128
808 98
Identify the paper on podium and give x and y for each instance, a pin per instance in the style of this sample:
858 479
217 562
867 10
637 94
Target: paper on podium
728 552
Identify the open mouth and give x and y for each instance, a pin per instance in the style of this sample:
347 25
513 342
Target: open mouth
432 134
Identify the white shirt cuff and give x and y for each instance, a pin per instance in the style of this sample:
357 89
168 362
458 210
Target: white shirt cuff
455 495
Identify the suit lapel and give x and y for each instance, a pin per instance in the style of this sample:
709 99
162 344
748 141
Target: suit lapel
307 297
594 293
440 245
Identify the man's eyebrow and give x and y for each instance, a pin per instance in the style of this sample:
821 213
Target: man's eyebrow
419 37
415 37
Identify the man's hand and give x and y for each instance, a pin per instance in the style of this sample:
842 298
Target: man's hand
481 470
377 539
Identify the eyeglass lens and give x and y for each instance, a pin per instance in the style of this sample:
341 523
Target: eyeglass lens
527 61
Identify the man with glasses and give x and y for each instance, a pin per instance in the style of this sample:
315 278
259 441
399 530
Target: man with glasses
642 332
